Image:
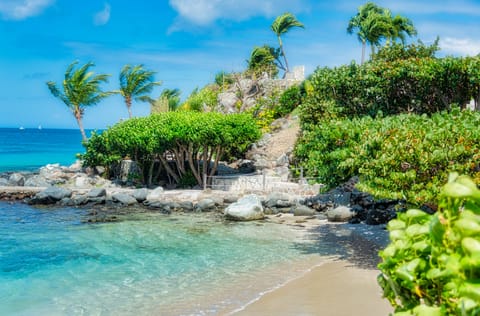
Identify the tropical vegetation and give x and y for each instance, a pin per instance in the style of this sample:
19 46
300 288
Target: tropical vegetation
282 25
432 264
136 83
81 88
178 145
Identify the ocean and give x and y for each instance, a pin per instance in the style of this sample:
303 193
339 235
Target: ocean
53 262
31 148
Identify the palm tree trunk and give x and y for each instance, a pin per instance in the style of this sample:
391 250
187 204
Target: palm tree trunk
128 102
363 52
287 69
80 126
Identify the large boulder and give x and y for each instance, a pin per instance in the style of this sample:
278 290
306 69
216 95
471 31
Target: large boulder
50 195
246 209
302 210
340 214
97 192
3 182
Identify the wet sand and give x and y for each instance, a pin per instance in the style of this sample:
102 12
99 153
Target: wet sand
335 288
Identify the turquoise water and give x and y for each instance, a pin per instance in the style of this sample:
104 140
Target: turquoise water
52 263
29 149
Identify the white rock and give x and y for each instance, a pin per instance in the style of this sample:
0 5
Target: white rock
246 209
155 195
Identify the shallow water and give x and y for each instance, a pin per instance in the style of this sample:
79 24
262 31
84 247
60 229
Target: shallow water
52 263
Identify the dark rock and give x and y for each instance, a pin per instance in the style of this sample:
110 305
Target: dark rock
80 200
50 195
429 208
96 200
360 212
380 216
186 206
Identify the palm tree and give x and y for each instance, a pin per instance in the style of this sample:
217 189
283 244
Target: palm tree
169 100
81 88
369 25
264 59
136 83
399 27
282 25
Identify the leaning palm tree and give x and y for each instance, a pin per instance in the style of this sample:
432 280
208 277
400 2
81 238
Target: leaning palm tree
282 25
81 88
136 83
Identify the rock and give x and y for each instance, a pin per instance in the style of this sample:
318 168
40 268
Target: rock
246 166
302 210
82 181
282 160
124 199
340 214
141 194
230 198
278 199
379 216
155 195
97 200
80 200
228 101
50 195
205 205
16 179
36 181
246 209
3 182
96 193
186 206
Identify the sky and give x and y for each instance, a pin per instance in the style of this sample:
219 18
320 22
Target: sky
186 42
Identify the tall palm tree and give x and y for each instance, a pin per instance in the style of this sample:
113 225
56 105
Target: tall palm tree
136 83
282 24
368 24
169 100
81 88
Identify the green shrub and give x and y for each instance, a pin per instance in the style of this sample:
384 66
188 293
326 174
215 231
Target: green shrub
187 137
288 101
432 264
404 85
404 156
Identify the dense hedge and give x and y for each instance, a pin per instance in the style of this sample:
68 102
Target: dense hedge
410 85
404 156
177 142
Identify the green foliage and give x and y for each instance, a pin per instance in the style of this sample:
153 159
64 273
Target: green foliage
199 100
136 83
432 264
224 79
263 60
412 85
288 101
187 137
264 111
81 88
398 51
404 156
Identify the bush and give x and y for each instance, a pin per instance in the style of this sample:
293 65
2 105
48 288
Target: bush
432 264
289 100
404 85
186 138
406 156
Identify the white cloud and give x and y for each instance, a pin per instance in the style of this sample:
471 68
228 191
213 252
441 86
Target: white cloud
102 17
460 46
205 12
22 9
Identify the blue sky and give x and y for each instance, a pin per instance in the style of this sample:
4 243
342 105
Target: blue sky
186 42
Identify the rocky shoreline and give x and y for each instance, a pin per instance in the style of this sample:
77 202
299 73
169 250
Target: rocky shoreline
74 186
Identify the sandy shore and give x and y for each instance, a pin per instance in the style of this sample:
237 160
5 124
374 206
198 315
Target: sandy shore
334 288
